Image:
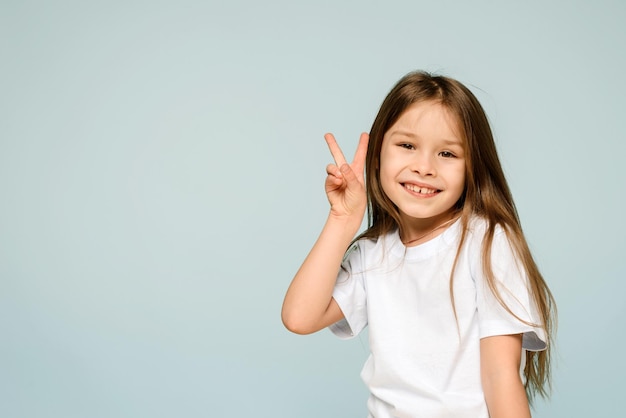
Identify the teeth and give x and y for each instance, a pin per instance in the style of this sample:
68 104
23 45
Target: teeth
421 190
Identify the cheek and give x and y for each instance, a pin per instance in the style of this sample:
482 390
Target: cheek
391 163
383 169
461 175
386 179
461 179
456 177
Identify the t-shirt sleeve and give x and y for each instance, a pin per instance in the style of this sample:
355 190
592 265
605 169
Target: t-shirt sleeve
513 286
350 295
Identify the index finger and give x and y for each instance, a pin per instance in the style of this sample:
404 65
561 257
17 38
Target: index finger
335 150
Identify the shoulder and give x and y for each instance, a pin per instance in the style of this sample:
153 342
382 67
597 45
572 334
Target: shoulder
371 250
494 244
478 228
481 236
365 244
358 247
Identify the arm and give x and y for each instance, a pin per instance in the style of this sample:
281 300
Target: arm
308 305
500 358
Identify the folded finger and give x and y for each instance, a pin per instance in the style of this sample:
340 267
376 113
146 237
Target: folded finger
333 170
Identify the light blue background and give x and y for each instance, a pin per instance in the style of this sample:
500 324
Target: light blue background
161 179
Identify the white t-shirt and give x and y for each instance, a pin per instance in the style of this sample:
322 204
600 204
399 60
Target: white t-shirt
423 361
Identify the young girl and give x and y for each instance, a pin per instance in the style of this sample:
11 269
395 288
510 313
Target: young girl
460 319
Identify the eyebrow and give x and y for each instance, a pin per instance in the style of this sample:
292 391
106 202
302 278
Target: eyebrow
410 134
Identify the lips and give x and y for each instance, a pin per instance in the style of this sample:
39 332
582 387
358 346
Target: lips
420 189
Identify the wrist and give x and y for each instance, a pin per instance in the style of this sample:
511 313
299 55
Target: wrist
346 225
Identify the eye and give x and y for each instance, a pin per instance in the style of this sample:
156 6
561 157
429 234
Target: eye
447 154
406 145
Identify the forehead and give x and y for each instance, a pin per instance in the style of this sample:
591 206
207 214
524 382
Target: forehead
427 119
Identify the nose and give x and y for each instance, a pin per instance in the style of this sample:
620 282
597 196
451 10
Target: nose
424 165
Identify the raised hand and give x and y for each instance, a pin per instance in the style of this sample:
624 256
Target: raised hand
345 185
309 305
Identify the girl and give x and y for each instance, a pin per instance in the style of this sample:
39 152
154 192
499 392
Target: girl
460 319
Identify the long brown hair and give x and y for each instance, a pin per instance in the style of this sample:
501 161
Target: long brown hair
486 195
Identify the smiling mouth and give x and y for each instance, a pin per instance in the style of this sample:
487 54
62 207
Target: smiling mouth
420 190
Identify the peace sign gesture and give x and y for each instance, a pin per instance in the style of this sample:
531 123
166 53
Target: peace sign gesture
345 185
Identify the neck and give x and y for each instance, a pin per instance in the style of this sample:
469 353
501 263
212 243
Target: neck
414 236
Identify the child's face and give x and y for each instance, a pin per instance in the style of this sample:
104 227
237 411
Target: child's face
422 164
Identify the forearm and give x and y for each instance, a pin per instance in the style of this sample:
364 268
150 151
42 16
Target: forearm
500 358
505 396
306 305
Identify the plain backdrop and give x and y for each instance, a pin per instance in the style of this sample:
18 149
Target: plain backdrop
161 180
